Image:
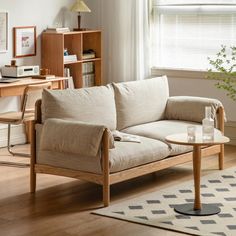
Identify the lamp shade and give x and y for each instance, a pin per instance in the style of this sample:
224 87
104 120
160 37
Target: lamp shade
80 6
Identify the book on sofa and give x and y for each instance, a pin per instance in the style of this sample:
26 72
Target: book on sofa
121 137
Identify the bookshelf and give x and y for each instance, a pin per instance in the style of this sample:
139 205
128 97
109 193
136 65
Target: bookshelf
74 43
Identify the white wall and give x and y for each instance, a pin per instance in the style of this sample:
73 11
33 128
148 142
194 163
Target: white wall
39 13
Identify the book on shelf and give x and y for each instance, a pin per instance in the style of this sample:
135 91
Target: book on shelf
44 77
70 58
57 30
69 84
67 72
88 80
88 67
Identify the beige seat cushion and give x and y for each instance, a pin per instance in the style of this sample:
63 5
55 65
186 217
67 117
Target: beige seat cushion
139 102
126 155
160 129
94 105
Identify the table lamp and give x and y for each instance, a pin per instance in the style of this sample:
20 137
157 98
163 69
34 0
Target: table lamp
79 7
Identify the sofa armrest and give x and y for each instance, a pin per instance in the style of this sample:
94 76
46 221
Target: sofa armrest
73 137
193 109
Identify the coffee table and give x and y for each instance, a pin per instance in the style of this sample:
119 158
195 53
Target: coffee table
196 208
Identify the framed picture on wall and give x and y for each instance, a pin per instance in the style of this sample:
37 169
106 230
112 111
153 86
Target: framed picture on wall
3 31
24 41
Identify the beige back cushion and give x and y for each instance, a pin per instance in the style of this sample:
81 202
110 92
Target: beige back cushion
139 102
94 105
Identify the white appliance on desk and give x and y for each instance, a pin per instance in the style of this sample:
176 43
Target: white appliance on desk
20 71
7 79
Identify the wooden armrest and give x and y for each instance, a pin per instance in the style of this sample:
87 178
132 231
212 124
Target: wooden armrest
38 112
221 119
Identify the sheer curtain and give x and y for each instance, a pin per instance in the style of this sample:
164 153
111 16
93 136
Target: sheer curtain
186 32
125 28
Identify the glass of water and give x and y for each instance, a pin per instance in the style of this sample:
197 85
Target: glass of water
191 132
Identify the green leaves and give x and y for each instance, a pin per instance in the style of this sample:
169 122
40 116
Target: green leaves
223 69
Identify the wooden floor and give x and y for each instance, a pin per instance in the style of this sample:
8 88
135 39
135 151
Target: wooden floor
62 206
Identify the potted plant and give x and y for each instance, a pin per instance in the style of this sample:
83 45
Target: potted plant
223 69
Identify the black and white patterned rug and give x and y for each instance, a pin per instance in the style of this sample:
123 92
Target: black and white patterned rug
156 209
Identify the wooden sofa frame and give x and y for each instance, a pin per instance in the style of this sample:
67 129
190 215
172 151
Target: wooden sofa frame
106 178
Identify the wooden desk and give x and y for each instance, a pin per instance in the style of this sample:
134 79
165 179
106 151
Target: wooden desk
17 88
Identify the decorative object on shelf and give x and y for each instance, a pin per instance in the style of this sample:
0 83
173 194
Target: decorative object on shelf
44 74
88 54
66 53
44 71
13 62
24 41
224 70
3 31
79 7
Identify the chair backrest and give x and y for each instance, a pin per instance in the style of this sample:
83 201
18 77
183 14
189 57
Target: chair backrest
32 93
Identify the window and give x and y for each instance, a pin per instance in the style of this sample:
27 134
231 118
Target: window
186 32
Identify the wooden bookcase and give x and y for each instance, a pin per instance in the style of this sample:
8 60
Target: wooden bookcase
54 44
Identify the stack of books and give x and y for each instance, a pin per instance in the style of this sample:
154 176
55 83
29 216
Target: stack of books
88 80
57 30
88 67
88 74
70 58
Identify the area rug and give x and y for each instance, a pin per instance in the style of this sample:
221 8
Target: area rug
157 209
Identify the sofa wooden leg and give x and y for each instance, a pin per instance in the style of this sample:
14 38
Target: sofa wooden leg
106 195
221 157
32 181
106 170
33 157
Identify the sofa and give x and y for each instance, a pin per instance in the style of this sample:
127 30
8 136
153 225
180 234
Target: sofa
72 134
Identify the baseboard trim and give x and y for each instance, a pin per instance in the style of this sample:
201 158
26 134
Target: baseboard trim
18 135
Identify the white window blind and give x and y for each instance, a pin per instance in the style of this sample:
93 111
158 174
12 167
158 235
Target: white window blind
186 32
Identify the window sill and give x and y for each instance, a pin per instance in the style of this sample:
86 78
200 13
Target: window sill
179 73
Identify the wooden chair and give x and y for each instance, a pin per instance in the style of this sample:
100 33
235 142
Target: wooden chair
31 94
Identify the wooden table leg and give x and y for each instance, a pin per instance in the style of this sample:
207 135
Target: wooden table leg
61 84
27 131
197 209
197 175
